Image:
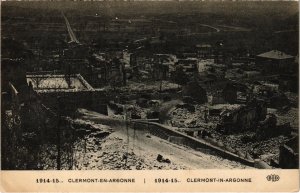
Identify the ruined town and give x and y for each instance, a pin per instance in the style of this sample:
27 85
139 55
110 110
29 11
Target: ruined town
160 85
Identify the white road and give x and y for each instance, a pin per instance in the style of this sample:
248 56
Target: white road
148 146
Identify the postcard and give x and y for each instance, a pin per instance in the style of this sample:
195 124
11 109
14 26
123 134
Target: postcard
149 96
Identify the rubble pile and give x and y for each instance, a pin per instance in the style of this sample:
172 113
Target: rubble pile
99 150
83 126
82 130
236 141
290 116
293 98
151 86
184 118
247 144
138 112
114 154
48 157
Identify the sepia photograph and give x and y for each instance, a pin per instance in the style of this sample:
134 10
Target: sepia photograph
149 85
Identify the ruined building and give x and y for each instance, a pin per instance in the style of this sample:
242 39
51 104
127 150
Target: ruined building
71 91
246 117
195 92
289 154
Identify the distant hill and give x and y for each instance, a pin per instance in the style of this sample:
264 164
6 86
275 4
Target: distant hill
274 8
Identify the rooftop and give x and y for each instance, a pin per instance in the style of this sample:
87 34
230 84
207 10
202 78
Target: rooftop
275 54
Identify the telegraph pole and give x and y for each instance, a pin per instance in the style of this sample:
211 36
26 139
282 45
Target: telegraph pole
58 157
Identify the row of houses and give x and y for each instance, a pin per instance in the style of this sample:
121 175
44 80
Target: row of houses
270 62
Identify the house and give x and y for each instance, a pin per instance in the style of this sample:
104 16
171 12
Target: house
116 74
204 64
195 91
274 61
204 51
164 64
289 82
244 118
230 93
105 69
217 98
152 66
189 65
289 154
98 71
141 61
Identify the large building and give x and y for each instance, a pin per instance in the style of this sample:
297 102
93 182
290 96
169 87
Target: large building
275 61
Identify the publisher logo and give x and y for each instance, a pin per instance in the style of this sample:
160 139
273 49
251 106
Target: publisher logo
273 178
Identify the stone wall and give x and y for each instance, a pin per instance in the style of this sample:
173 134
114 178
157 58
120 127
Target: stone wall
173 136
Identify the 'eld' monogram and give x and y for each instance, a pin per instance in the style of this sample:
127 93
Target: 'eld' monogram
273 177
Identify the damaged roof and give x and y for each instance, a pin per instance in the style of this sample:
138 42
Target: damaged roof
275 54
